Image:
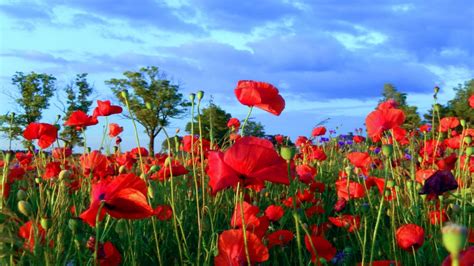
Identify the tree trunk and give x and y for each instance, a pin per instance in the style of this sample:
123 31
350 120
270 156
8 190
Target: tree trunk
151 145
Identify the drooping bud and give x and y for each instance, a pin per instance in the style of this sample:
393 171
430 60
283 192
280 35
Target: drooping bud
200 95
469 151
192 96
45 223
124 94
148 105
462 122
24 208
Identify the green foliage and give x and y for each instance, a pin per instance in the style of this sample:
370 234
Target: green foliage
34 92
219 122
78 94
153 99
254 128
459 105
412 117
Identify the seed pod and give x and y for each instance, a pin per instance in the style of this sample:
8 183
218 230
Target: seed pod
468 140
21 195
463 122
45 223
192 96
454 237
287 152
387 150
200 95
124 94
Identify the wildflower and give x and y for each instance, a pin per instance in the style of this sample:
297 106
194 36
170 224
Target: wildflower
46 134
260 94
410 236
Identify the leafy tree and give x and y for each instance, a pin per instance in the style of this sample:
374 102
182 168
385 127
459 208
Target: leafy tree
254 128
153 100
77 94
412 117
35 91
442 111
459 105
219 122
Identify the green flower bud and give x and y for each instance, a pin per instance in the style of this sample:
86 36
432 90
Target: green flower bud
387 150
64 174
37 180
436 107
387 193
436 90
390 183
124 94
463 122
122 169
469 151
468 140
192 96
287 152
153 169
454 237
21 195
151 192
24 208
73 224
409 183
45 223
200 95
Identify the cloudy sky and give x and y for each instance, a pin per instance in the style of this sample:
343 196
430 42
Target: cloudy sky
329 59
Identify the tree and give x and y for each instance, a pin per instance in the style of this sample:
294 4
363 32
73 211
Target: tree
78 93
153 100
219 122
412 119
254 128
35 91
459 106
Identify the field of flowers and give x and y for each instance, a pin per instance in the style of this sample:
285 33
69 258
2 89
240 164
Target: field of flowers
382 196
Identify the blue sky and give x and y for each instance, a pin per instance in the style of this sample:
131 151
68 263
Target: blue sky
329 59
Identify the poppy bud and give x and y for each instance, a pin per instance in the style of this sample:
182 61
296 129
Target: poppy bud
462 122
151 193
436 107
124 94
45 223
64 174
73 224
387 150
153 169
287 152
418 186
21 195
122 169
348 170
436 90
200 95
423 197
148 105
387 193
192 96
37 180
390 183
25 208
409 183
420 159
469 151
454 237
468 140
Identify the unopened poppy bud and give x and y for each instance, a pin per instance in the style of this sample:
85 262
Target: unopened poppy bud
423 197
409 183
122 169
24 208
287 152
21 195
148 105
387 150
153 169
418 186
37 180
420 159
390 183
151 192
192 96
462 122
454 237
124 94
387 193
468 140
436 90
45 223
64 174
73 224
469 151
200 95
436 107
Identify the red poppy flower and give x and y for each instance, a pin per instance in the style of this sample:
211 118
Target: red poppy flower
471 101
437 217
447 123
382 263
16 173
317 153
52 170
360 160
340 205
301 141
410 236
349 190
348 221
61 153
232 250
425 128
115 130
260 94
104 108
389 104
46 134
319 247
163 212
274 212
27 232
165 172
94 163
279 139
306 173
313 210
136 152
80 120
123 197
190 141
109 255
358 139
233 123
250 160
279 238
250 216
318 131
381 120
